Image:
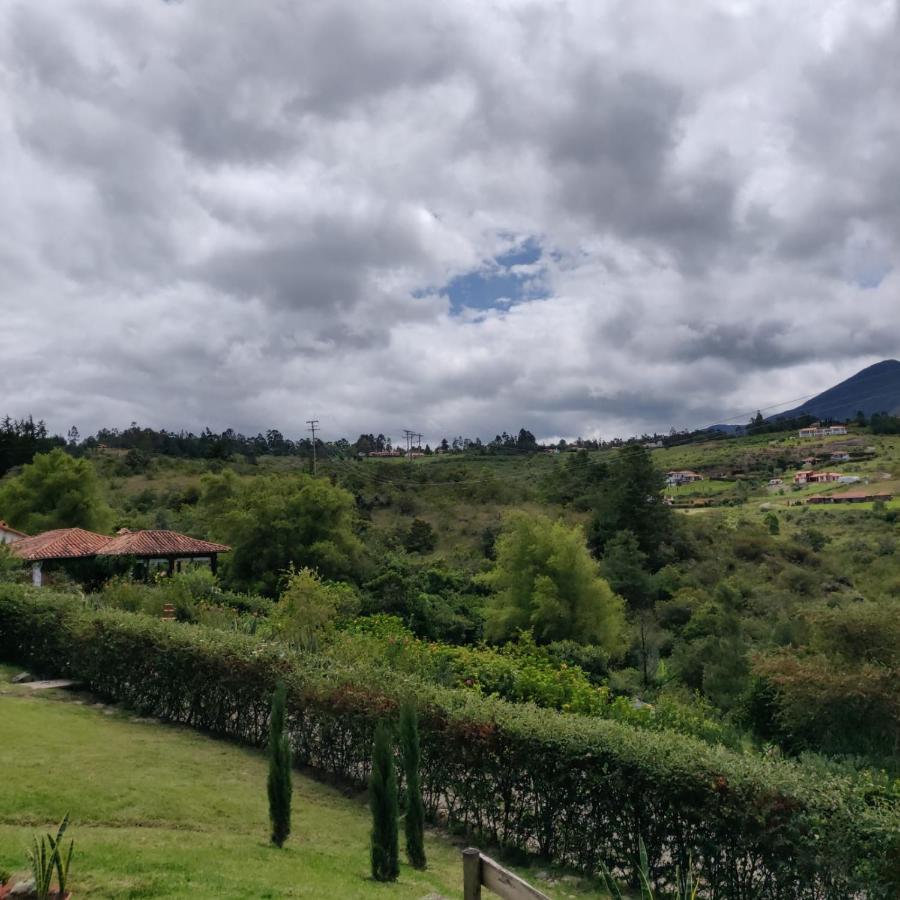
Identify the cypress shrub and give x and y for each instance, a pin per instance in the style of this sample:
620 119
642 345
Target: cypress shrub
574 789
411 753
279 785
383 802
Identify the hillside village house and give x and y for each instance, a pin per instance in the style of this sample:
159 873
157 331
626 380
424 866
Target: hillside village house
840 457
8 534
682 477
817 430
806 476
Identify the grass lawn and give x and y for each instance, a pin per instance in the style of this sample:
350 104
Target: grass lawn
160 811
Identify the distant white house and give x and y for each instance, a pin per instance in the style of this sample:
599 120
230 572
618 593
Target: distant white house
774 482
807 476
9 535
849 479
817 430
682 476
840 457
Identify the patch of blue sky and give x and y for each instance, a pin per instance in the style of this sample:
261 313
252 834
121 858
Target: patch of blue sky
871 275
508 278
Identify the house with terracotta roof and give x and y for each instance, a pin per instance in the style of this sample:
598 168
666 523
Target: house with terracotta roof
76 543
9 535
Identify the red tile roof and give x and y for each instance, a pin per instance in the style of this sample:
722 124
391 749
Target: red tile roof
62 543
76 543
158 543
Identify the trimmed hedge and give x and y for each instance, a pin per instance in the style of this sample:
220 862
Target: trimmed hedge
570 788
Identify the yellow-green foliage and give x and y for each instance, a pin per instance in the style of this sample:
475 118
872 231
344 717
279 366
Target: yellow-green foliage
309 608
55 491
546 581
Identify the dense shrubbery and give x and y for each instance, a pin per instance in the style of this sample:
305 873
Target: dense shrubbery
193 593
571 788
521 672
839 693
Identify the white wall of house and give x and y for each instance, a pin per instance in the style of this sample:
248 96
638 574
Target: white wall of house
8 537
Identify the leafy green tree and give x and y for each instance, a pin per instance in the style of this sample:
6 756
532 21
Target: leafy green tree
436 602
713 655
385 810
280 787
277 520
309 608
814 538
624 566
414 822
631 499
772 523
420 538
10 566
55 491
545 580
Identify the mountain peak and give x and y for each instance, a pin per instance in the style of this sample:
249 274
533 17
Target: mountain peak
873 389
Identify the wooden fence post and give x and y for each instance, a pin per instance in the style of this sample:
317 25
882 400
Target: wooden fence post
480 870
471 874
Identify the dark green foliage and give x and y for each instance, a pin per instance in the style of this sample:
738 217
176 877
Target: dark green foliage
21 439
435 601
278 520
420 538
576 481
385 809
411 753
574 789
592 660
280 786
631 499
624 566
882 423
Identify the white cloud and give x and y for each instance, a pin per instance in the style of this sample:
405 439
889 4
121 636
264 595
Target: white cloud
244 214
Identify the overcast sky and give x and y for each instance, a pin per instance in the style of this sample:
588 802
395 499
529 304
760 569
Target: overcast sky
585 218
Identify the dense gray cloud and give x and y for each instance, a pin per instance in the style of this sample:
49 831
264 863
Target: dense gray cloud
576 217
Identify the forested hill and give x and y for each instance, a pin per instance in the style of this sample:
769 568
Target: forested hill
875 389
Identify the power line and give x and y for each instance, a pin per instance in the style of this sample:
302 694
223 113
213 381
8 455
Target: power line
313 424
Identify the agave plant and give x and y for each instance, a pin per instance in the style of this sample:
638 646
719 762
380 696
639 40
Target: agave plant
686 886
61 862
45 857
42 863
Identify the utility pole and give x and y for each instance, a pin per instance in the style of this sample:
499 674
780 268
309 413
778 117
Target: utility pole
313 424
409 435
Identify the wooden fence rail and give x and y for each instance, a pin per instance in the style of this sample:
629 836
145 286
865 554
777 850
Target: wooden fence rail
482 871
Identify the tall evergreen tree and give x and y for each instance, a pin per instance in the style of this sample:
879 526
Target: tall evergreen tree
414 823
280 785
632 500
384 805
